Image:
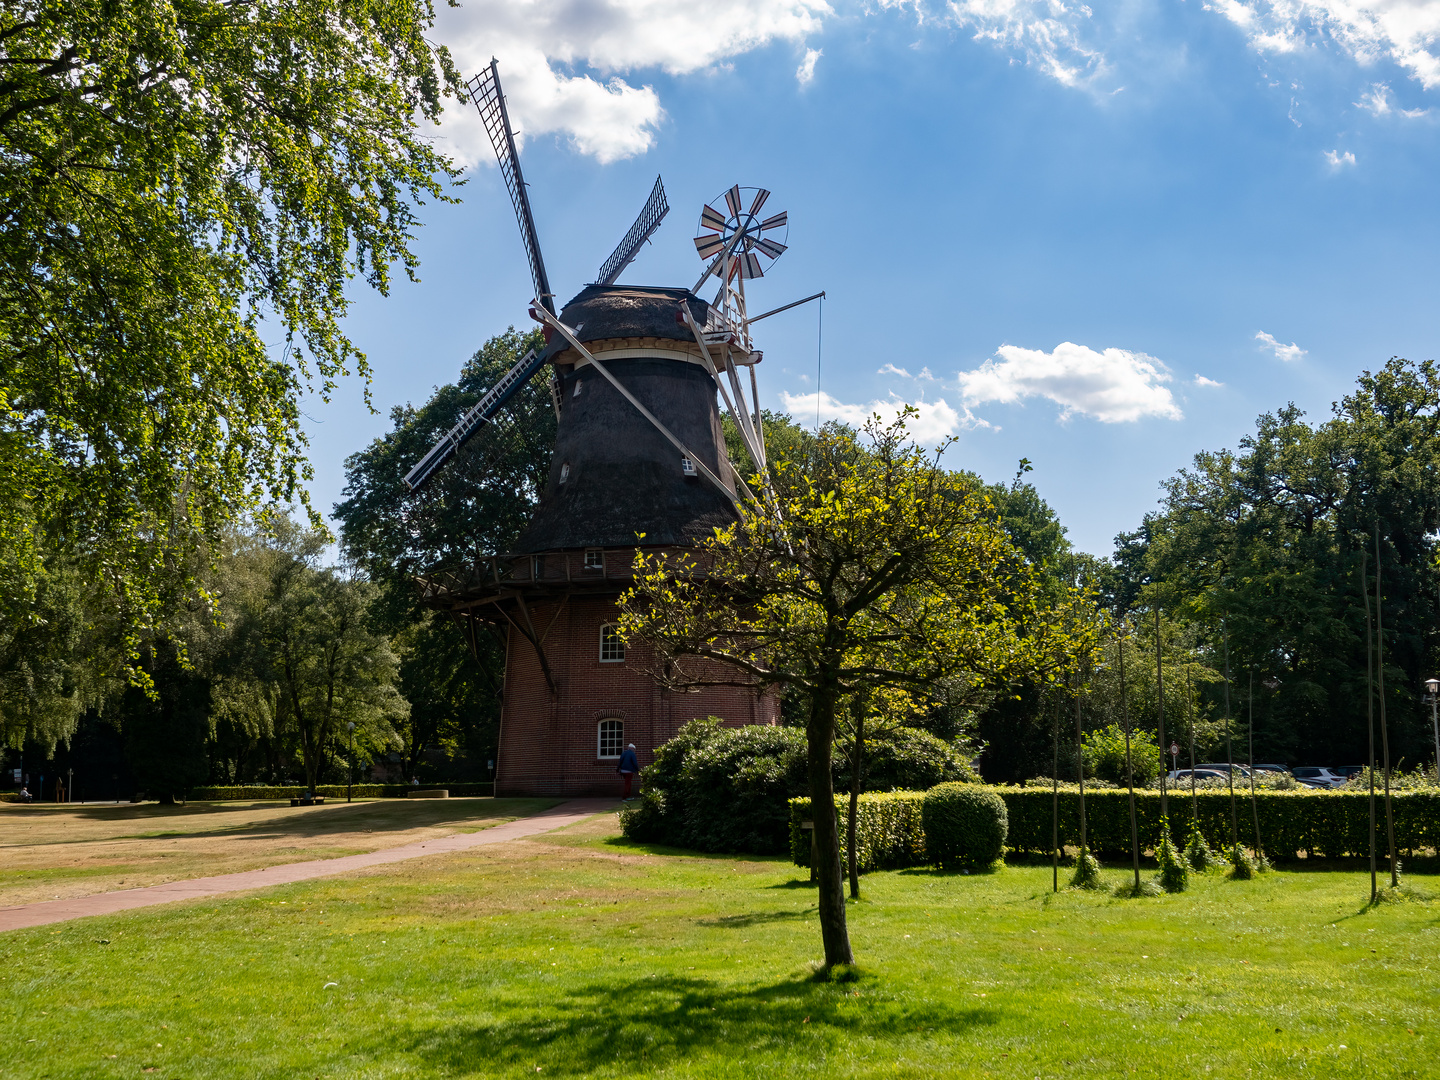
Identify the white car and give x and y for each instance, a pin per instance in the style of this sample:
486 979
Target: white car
1318 776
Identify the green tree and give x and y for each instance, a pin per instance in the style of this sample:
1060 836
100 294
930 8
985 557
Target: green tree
174 176
881 569
476 505
308 650
1264 544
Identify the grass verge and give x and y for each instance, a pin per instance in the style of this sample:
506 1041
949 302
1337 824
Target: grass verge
578 954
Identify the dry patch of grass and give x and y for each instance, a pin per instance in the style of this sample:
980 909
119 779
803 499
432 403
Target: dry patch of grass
49 852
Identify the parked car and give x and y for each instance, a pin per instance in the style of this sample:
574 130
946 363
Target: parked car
1222 768
1183 775
1319 776
1271 769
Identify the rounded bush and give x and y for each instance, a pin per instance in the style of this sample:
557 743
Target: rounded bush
965 825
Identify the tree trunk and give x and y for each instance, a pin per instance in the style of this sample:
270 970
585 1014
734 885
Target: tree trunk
857 758
820 734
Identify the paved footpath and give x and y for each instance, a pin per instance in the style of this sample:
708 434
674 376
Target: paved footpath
50 911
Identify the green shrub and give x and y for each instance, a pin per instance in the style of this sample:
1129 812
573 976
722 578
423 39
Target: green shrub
1105 755
889 829
1087 871
717 788
1174 873
1242 867
1197 851
965 825
909 759
736 788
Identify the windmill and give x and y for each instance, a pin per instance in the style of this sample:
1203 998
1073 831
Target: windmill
639 460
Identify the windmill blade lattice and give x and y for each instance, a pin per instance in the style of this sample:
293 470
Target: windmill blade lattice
489 98
731 227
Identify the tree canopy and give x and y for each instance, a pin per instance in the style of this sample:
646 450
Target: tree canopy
180 179
875 567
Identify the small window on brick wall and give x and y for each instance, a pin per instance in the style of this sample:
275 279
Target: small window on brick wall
612 645
611 738
594 559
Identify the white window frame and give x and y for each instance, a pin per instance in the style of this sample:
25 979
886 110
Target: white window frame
564 472
688 467
594 559
611 643
578 384
619 739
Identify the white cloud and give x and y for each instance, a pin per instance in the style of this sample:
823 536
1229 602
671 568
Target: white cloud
805 73
1338 160
1376 100
1048 34
1113 386
1405 32
1288 353
891 369
1201 380
936 419
605 112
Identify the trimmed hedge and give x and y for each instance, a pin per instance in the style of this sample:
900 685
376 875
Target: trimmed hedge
888 824
1324 824
332 791
965 825
1316 823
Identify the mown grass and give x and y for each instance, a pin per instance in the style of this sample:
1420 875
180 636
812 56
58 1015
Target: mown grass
577 954
51 852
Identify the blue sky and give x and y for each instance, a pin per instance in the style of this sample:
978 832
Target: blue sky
1102 240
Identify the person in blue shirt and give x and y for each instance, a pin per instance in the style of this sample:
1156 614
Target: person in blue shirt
628 767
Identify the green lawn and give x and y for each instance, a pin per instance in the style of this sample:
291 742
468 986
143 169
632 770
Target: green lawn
577 954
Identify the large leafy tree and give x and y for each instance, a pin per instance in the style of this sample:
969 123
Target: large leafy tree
304 644
178 180
1261 549
476 505
875 568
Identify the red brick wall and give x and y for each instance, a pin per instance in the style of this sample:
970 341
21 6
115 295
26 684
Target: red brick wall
548 744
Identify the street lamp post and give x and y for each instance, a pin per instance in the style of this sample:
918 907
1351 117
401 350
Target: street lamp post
1433 685
350 763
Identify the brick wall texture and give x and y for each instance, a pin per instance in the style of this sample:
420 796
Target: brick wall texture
549 743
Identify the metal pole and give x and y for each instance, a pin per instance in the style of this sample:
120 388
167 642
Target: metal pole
1160 699
350 764
1384 727
1229 751
1055 806
1370 714
1129 765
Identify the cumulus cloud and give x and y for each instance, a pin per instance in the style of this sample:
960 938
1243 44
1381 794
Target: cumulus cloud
1201 380
1112 386
570 68
1338 160
936 420
805 73
1288 353
1405 32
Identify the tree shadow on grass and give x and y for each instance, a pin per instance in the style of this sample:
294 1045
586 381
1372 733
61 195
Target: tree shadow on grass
373 815
659 1020
642 848
756 918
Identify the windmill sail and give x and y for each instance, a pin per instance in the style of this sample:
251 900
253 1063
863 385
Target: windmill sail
490 100
649 220
478 414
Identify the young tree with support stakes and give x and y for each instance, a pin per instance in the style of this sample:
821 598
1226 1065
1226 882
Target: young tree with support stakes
872 567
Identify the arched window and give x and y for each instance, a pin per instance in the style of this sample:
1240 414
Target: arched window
610 738
612 645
